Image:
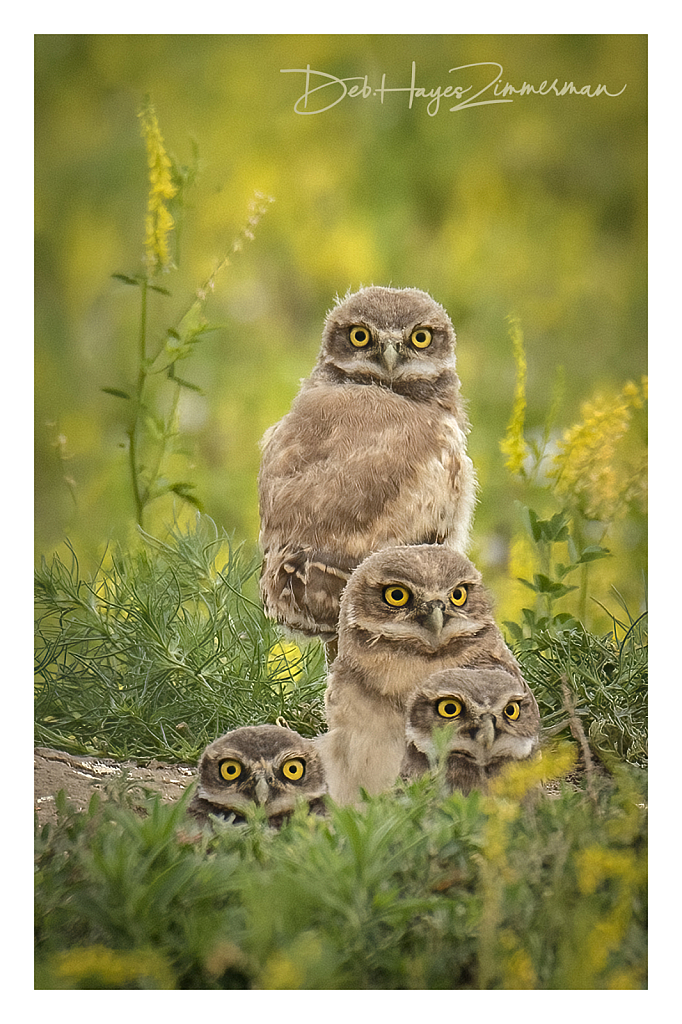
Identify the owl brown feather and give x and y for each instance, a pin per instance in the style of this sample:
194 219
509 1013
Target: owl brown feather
386 652
371 454
269 766
489 718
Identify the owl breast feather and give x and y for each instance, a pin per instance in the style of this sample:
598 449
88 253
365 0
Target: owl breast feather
364 465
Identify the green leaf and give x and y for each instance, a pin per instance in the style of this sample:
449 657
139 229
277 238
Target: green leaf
171 374
556 528
127 280
158 288
544 585
566 619
592 553
514 630
116 392
531 522
183 490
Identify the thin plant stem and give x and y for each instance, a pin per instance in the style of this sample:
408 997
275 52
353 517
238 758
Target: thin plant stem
139 497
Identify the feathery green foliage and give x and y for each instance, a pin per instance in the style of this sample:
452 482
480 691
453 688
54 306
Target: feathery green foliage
415 890
163 650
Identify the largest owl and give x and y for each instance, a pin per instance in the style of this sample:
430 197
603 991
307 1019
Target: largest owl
371 454
406 613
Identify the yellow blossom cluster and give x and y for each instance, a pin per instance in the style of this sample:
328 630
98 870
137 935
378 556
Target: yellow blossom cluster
598 465
113 968
159 222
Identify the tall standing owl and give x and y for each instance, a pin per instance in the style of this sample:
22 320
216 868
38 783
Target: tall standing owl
264 765
371 454
406 613
491 719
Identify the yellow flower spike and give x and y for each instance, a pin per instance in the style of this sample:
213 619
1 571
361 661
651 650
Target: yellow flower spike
594 463
514 443
159 222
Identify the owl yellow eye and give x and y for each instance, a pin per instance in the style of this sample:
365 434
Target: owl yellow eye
421 338
294 769
449 708
396 596
230 769
359 336
512 710
458 596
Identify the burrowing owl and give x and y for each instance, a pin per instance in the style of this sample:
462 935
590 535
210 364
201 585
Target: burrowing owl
258 764
371 454
406 613
491 719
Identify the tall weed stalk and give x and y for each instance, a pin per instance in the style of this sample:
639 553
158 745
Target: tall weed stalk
152 416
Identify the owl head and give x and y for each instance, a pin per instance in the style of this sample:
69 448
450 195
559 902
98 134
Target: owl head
423 598
491 718
387 335
266 765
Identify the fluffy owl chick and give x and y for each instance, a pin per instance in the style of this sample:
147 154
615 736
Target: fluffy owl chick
258 764
371 454
406 613
491 719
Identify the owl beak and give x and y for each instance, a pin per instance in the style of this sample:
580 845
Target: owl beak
433 619
486 732
262 791
390 357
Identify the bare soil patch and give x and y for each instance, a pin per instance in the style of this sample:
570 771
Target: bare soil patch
81 776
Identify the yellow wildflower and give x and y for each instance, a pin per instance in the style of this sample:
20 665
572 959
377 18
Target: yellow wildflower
114 968
158 222
596 863
281 972
514 443
517 966
596 463
284 663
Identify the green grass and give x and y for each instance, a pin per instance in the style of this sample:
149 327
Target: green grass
163 650
167 647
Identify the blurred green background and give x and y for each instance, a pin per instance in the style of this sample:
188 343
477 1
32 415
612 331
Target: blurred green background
535 208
